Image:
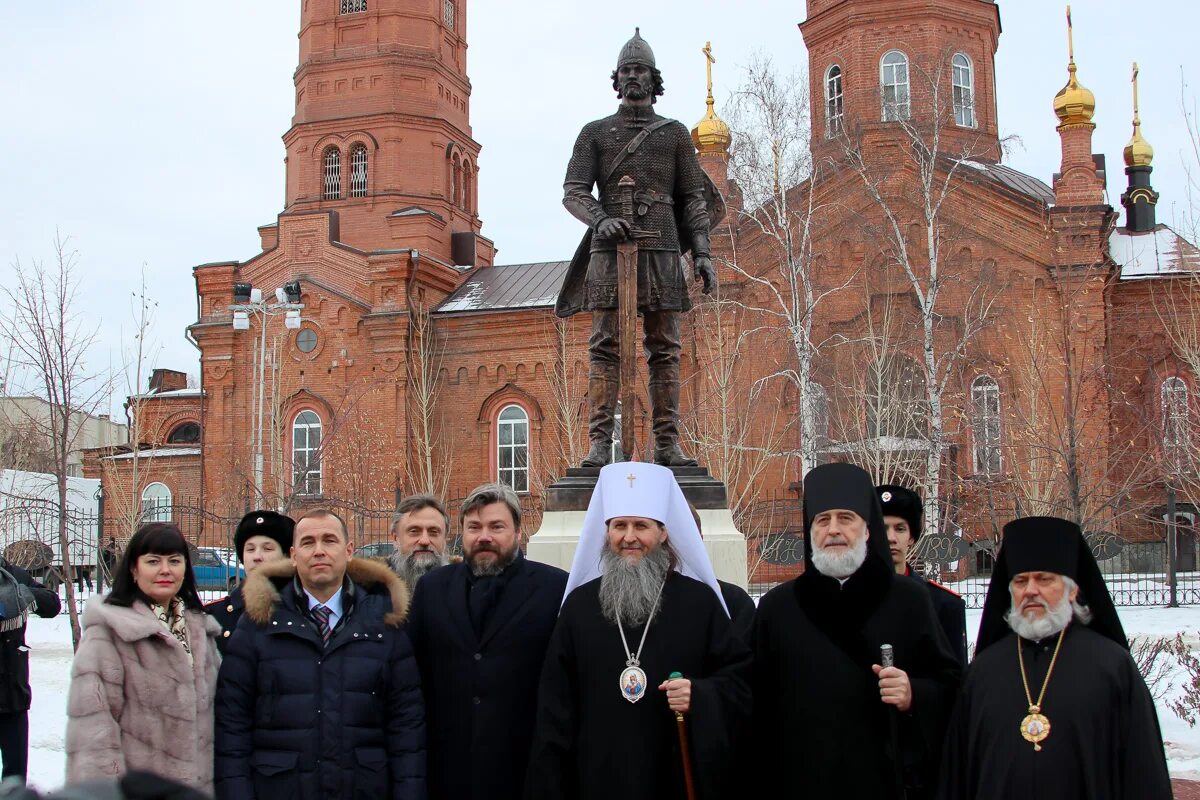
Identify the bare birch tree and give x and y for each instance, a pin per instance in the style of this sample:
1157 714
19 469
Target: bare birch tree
426 472
911 190
51 343
772 166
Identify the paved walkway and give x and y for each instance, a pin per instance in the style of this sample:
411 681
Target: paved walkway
1186 790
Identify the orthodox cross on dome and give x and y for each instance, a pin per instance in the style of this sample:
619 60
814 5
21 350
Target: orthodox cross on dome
708 56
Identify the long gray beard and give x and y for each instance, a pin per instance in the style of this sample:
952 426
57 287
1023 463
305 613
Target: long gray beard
413 566
1050 623
629 592
842 565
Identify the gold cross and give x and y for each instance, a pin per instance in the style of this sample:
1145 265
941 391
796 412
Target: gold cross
708 54
631 478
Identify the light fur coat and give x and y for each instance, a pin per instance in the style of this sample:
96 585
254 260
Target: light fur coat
136 700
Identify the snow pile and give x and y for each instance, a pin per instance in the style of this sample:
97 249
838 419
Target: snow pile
50 671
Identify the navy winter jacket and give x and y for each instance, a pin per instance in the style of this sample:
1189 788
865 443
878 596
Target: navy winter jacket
300 721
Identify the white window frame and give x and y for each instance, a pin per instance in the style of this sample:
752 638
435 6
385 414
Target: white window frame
358 170
987 452
893 79
963 80
157 504
1175 403
331 169
307 480
834 101
352 6
509 429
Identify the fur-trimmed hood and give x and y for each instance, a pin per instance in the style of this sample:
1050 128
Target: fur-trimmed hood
261 589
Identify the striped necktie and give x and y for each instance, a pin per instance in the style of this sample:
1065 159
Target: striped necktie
321 614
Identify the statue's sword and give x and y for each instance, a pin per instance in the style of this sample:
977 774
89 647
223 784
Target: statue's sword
627 302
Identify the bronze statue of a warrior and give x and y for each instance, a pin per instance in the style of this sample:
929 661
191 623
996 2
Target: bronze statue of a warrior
674 208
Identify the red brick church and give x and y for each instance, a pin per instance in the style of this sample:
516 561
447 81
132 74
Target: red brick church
396 356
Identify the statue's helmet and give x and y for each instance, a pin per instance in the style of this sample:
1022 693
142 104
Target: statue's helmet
636 51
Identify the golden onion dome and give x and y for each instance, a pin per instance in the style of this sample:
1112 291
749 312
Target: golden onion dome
1074 104
1138 153
711 134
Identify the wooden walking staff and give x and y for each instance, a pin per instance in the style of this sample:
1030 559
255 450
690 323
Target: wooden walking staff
627 300
685 752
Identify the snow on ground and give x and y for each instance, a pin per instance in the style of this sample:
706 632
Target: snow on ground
50 669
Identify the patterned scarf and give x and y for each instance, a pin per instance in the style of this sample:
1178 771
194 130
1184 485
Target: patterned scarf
172 619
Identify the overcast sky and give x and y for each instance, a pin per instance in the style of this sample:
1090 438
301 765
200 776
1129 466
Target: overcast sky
149 132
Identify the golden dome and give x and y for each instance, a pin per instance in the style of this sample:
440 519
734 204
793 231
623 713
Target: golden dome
1074 104
1138 153
711 134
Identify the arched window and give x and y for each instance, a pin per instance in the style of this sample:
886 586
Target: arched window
468 185
353 6
156 503
964 91
358 170
185 433
985 425
896 402
833 101
306 453
1177 435
456 186
893 86
512 442
333 174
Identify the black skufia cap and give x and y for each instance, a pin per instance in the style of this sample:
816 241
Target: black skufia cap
831 486
897 501
1047 544
279 527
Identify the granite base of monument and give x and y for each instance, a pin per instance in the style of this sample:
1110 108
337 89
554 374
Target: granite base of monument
567 502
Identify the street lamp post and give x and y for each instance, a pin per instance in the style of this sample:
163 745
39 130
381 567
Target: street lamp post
252 303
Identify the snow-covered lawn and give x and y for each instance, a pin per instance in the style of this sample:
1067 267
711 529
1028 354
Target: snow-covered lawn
50 669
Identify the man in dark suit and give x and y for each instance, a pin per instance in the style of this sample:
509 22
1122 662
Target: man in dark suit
480 630
903 512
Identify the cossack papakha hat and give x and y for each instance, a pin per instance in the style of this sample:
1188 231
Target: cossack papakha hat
279 527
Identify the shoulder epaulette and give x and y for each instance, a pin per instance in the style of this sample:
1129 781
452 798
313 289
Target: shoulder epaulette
943 588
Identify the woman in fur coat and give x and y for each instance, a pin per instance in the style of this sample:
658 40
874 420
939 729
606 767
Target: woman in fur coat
145 673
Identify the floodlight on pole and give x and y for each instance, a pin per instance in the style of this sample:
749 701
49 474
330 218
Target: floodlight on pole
255 295
241 321
292 319
281 295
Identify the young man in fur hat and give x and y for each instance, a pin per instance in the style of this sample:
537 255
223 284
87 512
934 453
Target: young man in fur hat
1054 705
262 536
641 604
902 515
319 694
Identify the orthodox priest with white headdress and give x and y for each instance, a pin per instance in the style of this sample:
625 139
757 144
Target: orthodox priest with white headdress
641 603
1053 705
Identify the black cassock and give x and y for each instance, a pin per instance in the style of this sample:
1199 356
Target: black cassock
590 742
1104 741
821 728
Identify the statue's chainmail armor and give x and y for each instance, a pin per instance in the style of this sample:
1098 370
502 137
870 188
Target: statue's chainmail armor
670 185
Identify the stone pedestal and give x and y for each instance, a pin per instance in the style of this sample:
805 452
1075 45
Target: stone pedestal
567 502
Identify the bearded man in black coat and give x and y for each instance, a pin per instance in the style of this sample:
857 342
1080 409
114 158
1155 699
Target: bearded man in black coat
1053 705
829 715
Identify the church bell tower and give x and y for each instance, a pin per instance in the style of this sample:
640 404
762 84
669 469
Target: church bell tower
382 133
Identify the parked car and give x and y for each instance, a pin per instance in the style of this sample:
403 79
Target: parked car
214 570
377 550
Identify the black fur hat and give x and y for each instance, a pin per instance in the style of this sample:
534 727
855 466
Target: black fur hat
904 503
264 523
